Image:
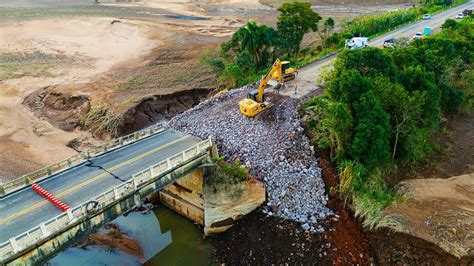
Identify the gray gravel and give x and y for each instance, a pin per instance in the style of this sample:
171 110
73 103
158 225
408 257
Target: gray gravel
273 148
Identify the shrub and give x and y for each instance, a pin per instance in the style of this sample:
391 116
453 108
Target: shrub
373 24
99 120
226 173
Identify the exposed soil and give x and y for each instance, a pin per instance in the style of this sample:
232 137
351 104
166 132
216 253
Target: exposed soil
348 237
158 108
391 248
261 240
61 110
456 154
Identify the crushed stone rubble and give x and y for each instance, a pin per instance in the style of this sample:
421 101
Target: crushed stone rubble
273 148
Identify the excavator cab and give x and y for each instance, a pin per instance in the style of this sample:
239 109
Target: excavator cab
250 106
287 72
253 95
284 66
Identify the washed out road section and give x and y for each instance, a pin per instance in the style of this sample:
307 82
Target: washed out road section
25 209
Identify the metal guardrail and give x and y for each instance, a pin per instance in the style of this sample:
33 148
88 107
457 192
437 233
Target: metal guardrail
77 159
59 223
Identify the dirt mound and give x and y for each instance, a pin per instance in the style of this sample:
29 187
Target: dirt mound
61 110
158 108
440 211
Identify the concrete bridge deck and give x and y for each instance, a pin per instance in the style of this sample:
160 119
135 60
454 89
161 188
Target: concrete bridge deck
25 209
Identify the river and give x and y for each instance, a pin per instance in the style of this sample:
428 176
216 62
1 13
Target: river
166 237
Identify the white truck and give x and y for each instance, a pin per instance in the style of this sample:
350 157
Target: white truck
357 42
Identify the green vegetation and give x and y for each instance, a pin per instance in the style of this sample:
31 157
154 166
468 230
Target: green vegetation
226 173
295 20
382 108
373 24
28 13
100 121
134 83
34 64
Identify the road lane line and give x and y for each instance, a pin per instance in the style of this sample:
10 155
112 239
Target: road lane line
80 185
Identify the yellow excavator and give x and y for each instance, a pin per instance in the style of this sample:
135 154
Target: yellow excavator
255 101
288 72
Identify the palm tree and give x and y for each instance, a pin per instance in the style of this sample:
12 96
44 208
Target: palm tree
255 39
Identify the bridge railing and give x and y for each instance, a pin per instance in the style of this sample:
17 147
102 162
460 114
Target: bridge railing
82 211
49 170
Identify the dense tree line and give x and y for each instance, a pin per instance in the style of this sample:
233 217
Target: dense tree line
381 109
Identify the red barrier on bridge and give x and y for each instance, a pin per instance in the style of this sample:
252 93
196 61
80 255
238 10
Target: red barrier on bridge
62 206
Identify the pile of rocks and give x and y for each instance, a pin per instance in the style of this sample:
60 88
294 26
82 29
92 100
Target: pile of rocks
273 148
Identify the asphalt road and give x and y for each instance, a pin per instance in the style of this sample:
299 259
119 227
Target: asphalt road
25 209
309 75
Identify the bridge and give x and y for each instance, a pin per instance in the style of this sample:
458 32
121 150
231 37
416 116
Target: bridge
98 185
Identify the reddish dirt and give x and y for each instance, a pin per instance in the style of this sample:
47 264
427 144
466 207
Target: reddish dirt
348 238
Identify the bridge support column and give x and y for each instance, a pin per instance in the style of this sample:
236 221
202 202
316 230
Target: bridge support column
137 200
14 245
116 194
69 215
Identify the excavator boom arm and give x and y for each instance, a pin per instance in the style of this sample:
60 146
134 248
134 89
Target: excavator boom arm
276 67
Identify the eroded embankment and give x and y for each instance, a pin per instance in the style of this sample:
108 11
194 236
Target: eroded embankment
62 110
159 108
69 112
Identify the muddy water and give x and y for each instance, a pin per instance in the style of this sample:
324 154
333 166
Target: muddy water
166 238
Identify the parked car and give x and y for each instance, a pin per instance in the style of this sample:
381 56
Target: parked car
394 42
390 43
459 16
426 16
417 36
467 12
